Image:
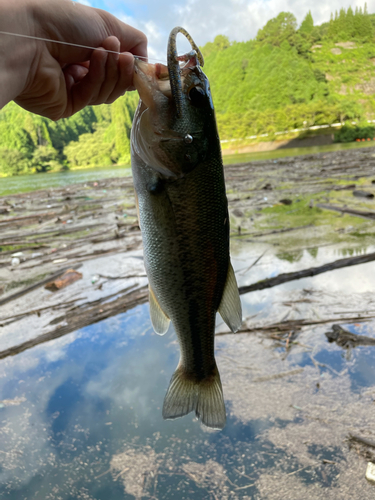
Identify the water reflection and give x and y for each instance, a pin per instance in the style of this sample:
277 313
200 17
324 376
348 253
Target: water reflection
80 416
25 183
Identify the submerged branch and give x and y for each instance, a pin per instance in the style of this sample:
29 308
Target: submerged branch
76 319
307 273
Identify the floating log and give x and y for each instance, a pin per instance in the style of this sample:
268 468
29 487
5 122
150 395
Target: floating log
307 273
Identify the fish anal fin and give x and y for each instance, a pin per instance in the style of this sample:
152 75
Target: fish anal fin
205 397
230 306
159 319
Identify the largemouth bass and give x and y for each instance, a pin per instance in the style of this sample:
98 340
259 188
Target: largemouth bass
183 214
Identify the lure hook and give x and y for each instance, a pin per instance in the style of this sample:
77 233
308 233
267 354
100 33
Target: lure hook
174 66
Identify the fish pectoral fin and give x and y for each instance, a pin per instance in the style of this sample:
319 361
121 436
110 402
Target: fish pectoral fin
159 319
205 397
230 306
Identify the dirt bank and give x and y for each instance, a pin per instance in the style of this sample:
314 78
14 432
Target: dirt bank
304 142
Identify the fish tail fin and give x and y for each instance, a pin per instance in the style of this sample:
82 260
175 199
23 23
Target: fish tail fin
205 397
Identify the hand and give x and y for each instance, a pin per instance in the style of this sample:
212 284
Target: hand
56 80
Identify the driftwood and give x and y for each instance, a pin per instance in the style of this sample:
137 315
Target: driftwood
361 440
81 316
34 286
69 277
275 231
346 339
294 325
345 210
306 273
363 194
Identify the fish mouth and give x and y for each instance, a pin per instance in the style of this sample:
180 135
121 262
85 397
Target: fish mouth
149 79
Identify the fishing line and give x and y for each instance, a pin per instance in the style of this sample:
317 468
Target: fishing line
72 44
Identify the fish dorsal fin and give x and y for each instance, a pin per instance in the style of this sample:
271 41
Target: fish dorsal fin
230 306
159 319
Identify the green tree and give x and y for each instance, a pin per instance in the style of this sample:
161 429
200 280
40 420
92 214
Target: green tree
307 25
45 158
13 162
349 24
220 42
279 29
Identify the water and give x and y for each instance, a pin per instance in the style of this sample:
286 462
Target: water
80 416
24 183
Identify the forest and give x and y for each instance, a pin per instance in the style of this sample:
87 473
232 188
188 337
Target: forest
288 77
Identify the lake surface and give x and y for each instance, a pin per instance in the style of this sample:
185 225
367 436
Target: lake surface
34 182
80 416
25 183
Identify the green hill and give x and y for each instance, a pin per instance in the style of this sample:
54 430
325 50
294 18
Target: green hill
288 77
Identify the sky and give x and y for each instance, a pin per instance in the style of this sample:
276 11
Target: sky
239 20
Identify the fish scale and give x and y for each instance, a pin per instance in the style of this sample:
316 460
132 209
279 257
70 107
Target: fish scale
183 213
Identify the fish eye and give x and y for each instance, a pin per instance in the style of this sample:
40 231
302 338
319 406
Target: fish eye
197 97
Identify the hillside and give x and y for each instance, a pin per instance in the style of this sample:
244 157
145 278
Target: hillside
288 77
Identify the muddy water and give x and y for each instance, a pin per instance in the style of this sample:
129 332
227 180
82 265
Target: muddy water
80 416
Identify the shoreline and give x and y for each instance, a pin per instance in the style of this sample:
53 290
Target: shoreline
264 146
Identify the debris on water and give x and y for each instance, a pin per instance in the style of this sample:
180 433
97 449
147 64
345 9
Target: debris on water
69 277
346 339
18 254
238 212
59 261
363 194
370 472
362 440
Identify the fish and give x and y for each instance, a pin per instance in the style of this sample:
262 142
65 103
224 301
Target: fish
178 177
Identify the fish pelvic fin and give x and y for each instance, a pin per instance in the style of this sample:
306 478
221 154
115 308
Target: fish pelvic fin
230 306
159 319
205 397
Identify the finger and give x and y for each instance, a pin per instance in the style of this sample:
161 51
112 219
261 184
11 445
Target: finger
86 26
125 81
74 73
112 72
87 90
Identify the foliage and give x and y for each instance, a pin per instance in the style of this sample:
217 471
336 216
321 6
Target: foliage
346 25
45 158
92 136
288 77
13 162
348 133
278 30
